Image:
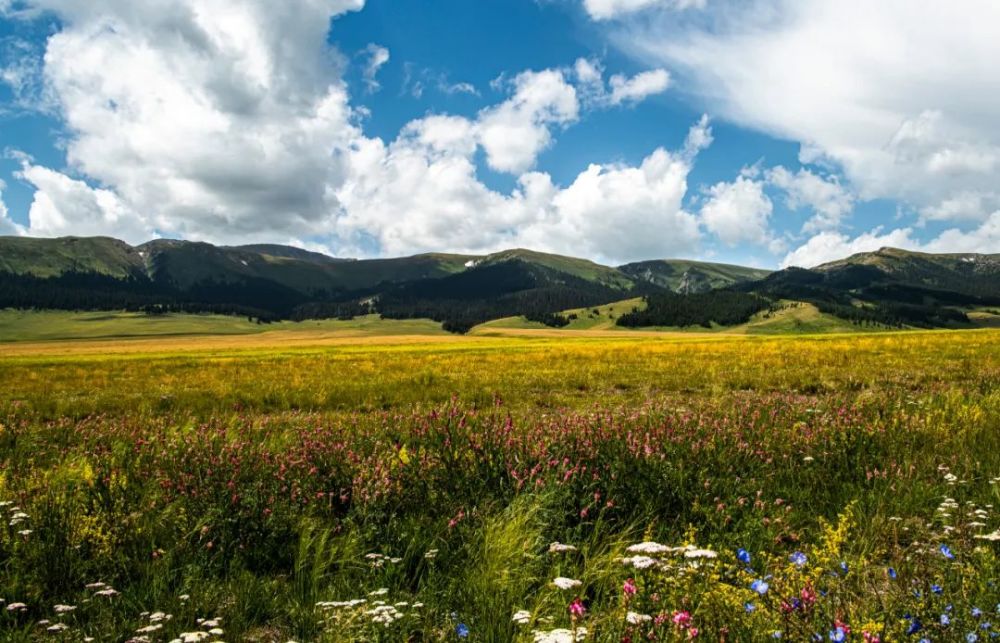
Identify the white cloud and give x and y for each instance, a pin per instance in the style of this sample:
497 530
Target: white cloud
609 9
516 131
590 83
830 201
7 225
612 212
738 212
230 122
377 57
212 120
62 206
639 87
967 206
830 246
901 95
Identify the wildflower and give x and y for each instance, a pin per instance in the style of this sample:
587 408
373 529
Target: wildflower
577 608
870 638
521 617
946 552
431 554
629 588
844 568
17 607
945 620
808 595
58 627
892 573
640 562
915 626
558 548
971 637
560 636
634 618
976 612
749 607
681 619
759 586
798 558
743 556
462 630
838 635
63 609
566 583
648 548
936 589
700 553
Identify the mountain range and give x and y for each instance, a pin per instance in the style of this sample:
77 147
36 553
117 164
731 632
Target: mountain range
889 287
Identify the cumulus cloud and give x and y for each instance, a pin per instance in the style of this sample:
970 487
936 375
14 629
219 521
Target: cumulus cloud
613 212
217 121
230 122
63 205
825 196
901 95
738 212
608 9
624 89
377 57
638 87
7 226
830 246
514 132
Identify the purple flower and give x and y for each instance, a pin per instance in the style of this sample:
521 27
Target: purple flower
759 586
798 558
946 552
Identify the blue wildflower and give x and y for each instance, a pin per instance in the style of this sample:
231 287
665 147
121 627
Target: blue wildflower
749 607
915 626
977 612
971 637
843 567
462 630
838 635
985 625
892 573
936 589
743 556
798 558
946 552
945 620
776 635
760 587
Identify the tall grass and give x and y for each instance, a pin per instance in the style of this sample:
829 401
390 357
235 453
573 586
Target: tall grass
268 494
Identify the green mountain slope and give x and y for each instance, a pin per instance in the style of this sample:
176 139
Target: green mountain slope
684 276
51 257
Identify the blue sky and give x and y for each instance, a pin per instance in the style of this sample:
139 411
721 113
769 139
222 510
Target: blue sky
760 132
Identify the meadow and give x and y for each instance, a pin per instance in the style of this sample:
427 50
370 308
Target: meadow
506 486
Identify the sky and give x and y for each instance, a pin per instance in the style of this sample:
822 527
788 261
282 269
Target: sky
761 132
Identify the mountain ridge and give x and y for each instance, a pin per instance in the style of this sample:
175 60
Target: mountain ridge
889 287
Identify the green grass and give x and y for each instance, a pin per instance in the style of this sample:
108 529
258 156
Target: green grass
260 485
20 325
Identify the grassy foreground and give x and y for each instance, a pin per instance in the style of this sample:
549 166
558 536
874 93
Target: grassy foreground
610 488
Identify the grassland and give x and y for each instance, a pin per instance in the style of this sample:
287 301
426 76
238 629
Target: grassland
340 487
35 326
